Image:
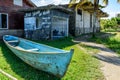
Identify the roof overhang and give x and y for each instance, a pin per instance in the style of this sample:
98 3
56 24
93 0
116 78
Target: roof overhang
101 13
31 3
48 7
88 6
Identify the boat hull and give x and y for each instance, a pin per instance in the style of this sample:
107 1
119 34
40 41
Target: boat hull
54 63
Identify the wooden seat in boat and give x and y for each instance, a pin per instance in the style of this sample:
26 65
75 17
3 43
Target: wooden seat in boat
34 49
12 41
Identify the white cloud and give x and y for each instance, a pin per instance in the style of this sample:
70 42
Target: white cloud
64 1
60 1
39 2
46 2
57 2
111 15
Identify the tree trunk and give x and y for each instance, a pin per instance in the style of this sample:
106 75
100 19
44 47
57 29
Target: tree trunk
94 23
96 7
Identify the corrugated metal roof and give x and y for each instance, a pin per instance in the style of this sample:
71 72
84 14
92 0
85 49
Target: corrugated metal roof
32 3
48 7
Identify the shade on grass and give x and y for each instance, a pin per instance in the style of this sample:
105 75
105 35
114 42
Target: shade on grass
82 67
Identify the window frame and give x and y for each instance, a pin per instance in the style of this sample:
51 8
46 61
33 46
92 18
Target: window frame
7 20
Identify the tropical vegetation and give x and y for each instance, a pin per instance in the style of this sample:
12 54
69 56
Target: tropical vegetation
110 24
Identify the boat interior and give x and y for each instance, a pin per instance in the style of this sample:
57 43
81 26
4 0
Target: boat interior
16 43
23 44
12 41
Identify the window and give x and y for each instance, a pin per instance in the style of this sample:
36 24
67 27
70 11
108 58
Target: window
38 23
3 21
18 2
79 12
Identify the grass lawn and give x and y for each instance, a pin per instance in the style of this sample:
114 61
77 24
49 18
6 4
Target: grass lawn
2 77
89 49
82 67
112 41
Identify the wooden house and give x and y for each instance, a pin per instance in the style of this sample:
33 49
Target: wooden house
51 21
46 22
11 20
81 20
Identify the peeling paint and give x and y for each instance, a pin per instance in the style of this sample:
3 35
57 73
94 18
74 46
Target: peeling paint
52 60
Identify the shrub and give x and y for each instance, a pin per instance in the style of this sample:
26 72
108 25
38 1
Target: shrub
109 23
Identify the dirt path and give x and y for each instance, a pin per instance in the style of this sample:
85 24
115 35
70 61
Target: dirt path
109 59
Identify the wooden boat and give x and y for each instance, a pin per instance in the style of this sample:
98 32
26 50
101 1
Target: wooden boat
42 57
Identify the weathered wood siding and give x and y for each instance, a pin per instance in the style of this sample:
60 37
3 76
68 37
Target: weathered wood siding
59 13
84 23
43 28
62 25
41 31
78 23
15 18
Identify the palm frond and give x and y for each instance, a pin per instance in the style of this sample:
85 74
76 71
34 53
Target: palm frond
72 2
83 4
76 1
118 1
105 2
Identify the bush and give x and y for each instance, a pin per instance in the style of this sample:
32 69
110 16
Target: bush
109 23
117 19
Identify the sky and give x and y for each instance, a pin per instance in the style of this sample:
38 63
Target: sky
46 2
112 8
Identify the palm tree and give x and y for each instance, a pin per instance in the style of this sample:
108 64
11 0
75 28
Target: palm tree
96 7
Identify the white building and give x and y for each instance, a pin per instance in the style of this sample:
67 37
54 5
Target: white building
81 20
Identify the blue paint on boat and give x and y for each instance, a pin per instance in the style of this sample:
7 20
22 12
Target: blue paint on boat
40 56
